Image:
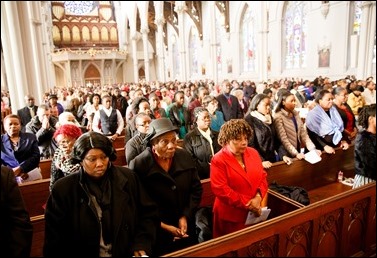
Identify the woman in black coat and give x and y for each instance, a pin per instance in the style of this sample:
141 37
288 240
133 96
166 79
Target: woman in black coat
102 210
265 139
201 142
171 179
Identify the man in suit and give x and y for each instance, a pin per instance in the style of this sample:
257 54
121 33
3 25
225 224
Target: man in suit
228 104
28 112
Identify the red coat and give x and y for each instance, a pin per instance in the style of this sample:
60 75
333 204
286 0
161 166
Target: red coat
233 187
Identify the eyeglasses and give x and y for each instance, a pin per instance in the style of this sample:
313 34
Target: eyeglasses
144 124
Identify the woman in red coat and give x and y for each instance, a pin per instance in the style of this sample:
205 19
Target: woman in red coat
238 179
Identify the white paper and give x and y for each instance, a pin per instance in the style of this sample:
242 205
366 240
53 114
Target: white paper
312 157
253 219
34 174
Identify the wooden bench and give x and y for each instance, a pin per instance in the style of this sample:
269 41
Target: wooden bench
319 179
340 221
38 223
119 142
35 195
45 166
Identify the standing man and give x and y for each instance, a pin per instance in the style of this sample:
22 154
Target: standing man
228 104
28 112
108 120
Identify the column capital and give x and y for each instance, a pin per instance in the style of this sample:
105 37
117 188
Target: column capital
367 4
160 21
144 30
180 8
135 36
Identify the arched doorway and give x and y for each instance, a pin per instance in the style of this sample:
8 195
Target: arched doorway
92 76
141 73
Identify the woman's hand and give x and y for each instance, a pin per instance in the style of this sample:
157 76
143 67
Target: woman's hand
266 164
344 145
287 160
177 233
328 149
254 205
140 253
300 156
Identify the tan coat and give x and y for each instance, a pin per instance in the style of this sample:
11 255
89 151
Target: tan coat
287 134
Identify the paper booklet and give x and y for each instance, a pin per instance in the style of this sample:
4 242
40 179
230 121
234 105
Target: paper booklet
34 174
253 219
312 157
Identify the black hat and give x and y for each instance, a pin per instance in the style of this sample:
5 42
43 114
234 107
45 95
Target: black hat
52 96
160 126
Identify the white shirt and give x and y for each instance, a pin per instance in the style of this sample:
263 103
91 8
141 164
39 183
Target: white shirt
96 120
369 96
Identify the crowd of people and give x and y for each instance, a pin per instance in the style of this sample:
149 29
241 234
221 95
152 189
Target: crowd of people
175 135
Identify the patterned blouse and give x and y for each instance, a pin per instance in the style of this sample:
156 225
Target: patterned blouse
61 166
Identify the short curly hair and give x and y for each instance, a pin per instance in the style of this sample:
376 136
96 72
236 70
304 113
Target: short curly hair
233 130
69 130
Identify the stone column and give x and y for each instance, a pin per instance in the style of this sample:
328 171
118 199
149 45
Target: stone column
144 33
365 34
161 48
12 39
180 9
213 47
264 43
135 38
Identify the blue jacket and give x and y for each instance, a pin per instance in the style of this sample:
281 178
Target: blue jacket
27 155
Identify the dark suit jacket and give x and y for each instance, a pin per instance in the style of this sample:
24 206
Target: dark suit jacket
27 155
16 231
229 111
24 114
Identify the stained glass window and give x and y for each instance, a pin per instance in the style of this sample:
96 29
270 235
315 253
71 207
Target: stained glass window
220 31
295 34
248 41
357 17
193 48
79 7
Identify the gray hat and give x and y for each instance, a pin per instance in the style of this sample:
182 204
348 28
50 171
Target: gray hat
160 126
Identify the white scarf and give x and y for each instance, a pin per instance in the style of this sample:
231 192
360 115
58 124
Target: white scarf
207 136
264 118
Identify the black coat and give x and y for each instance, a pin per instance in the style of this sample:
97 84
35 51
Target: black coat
200 150
16 231
24 114
72 226
177 193
265 140
365 154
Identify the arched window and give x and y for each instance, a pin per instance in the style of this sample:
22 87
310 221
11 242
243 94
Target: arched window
357 17
220 33
193 50
248 41
295 34
79 7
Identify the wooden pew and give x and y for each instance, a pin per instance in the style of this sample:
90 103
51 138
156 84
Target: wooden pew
119 142
38 223
319 179
35 195
45 166
340 221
